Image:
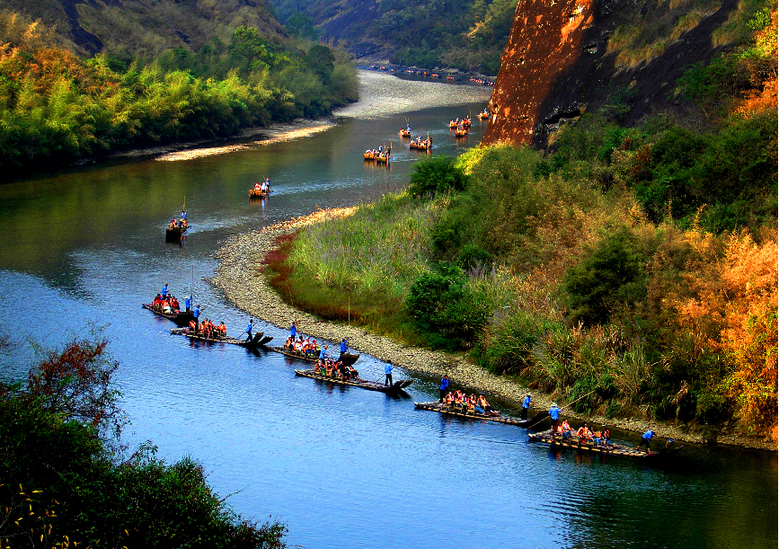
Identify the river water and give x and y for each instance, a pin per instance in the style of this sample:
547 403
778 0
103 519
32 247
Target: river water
343 468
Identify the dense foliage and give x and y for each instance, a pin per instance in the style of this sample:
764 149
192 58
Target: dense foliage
61 487
464 34
628 270
56 108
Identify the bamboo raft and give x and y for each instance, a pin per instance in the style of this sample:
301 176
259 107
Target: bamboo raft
458 412
174 234
404 133
396 387
484 115
346 358
257 193
179 318
461 132
545 437
259 339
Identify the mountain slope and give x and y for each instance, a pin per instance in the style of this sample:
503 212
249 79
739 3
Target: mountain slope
147 28
565 58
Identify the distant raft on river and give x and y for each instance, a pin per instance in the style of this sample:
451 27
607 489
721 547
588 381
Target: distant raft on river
574 443
395 388
347 359
464 412
258 340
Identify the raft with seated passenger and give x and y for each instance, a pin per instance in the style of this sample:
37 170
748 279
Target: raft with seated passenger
180 318
395 388
173 234
258 193
258 340
573 442
347 359
459 410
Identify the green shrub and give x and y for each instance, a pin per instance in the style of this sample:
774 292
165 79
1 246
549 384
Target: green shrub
610 278
436 175
449 315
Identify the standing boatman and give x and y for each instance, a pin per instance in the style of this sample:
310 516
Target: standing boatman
344 345
645 438
554 413
164 291
444 387
388 373
526 405
249 329
196 315
293 330
323 354
188 303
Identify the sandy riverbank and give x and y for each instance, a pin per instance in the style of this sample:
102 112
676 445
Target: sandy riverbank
240 278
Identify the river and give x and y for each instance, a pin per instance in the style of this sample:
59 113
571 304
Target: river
343 468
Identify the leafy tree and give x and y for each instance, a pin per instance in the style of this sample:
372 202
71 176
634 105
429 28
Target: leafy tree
610 278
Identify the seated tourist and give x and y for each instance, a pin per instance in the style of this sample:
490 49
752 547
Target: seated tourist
221 329
565 429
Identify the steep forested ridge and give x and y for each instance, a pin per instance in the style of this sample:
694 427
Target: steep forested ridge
165 73
464 34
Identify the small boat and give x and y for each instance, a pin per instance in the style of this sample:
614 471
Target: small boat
461 132
467 122
259 339
453 124
369 155
180 318
174 234
573 442
395 388
484 115
346 358
404 133
382 158
459 412
258 193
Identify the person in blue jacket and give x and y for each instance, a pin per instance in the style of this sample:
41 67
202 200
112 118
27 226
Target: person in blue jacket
528 400
323 354
645 438
344 345
388 373
293 330
554 413
249 329
164 290
188 303
196 315
444 387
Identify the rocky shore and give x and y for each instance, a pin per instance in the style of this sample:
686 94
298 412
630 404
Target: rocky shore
240 278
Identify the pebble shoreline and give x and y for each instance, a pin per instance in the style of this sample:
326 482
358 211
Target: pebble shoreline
239 277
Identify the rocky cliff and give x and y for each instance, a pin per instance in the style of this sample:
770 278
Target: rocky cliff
567 56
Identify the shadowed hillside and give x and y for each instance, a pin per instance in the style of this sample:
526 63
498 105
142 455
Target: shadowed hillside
147 28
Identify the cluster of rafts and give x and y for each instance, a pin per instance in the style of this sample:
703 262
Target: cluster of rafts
260 341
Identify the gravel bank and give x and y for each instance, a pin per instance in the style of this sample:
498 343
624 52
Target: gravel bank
239 277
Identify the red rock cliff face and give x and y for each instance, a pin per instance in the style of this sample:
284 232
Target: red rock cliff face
557 64
545 40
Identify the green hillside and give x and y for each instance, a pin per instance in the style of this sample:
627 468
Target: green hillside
464 34
147 85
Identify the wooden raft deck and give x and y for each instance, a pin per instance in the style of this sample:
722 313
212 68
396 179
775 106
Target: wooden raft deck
440 408
180 318
545 437
347 358
396 387
257 341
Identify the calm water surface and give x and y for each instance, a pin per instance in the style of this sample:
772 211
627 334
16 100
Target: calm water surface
344 468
